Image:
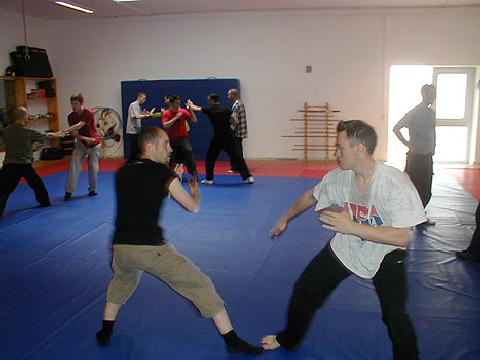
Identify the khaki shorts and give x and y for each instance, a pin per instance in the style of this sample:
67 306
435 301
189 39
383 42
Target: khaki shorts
166 263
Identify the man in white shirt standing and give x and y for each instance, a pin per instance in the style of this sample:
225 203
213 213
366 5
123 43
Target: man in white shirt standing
372 208
420 122
134 123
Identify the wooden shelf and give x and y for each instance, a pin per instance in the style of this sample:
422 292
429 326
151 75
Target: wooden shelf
16 95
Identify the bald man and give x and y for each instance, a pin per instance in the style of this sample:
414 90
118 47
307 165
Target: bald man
240 131
20 141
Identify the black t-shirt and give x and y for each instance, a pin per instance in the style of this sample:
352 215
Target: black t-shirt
141 187
220 118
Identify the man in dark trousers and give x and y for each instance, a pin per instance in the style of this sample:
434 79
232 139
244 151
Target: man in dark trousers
420 122
221 119
139 244
372 208
19 140
240 131
472 252
175 121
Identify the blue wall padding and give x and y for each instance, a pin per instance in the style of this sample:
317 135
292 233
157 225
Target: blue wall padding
196 89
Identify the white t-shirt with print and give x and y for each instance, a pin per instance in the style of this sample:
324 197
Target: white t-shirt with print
420 122
391 200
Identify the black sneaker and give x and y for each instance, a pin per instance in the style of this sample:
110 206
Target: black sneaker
67 197
468 255
92 193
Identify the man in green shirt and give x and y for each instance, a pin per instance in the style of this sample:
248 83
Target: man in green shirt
19 140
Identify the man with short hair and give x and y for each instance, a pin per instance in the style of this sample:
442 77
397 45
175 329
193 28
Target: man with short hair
175 121
420 122
87 143
372 209
240 130
139 244
221 119
20 142
134 122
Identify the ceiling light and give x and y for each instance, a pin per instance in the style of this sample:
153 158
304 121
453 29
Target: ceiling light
74 6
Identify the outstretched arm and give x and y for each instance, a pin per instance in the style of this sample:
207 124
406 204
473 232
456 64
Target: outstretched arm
193 115
303 202
75 127
192 106
56 135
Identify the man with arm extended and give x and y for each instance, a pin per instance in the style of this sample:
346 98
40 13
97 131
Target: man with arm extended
134 123
139 244
20 141
87 143
221 119
372 208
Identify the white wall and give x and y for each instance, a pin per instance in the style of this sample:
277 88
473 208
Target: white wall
350 51
12 35
442 38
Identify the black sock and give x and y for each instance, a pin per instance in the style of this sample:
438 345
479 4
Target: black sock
236 345
103 336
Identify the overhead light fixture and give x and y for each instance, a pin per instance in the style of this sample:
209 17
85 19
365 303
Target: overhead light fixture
74 6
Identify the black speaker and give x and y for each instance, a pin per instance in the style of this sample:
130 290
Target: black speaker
32 62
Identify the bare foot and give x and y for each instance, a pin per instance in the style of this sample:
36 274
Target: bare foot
270 342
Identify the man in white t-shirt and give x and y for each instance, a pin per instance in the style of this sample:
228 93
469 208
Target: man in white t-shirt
134 123
372 208
420 122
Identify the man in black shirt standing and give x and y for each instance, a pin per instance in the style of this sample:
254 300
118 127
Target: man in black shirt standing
139 244
223 139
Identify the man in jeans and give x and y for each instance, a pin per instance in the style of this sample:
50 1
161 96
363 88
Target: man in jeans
372 208
87 143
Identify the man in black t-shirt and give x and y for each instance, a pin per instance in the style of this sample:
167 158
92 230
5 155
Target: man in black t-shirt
139 244
221 119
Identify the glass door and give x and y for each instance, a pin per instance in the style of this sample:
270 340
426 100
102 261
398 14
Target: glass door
453 105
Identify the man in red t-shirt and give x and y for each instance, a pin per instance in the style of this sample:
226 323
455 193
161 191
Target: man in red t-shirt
175 121
87 142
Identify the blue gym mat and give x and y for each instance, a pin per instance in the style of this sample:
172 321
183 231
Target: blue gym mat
56 267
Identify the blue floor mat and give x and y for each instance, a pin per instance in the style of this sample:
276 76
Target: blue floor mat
56 266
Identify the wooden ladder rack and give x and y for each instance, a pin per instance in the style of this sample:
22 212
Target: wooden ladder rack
319 124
